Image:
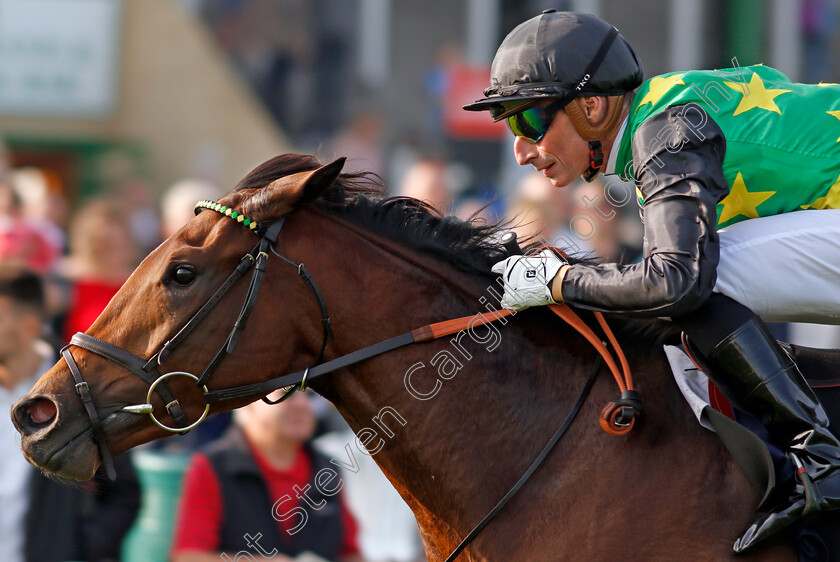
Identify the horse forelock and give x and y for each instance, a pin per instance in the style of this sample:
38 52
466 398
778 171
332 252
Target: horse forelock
468 245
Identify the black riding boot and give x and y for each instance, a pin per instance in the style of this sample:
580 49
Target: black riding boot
759 377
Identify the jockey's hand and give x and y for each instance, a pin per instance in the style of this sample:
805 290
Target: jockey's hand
528 279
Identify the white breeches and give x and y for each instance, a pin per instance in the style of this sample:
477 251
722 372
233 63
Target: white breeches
786 268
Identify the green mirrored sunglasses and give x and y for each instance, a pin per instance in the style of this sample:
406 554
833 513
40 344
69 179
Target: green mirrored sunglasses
531 120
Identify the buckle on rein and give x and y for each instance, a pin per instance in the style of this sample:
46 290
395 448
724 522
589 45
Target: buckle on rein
618 415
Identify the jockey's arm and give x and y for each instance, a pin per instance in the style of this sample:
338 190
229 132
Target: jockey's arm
679 172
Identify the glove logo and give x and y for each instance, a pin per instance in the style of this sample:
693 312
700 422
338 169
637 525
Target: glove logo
531 274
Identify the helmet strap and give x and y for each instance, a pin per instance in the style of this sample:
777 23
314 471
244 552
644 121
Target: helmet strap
585 128
596 160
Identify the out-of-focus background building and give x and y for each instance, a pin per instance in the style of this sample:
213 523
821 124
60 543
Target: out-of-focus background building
98 91
117 115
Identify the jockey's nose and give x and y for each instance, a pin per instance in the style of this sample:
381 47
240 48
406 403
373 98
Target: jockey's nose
524 151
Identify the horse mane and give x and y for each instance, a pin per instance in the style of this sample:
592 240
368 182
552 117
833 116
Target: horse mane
470 246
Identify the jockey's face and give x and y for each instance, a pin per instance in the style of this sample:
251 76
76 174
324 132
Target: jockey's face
561 155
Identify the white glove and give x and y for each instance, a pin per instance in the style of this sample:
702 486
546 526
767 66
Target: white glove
528 279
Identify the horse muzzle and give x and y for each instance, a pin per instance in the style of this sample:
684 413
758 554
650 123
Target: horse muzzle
49 442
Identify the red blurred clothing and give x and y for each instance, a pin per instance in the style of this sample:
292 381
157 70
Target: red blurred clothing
88 298
201 510
21 241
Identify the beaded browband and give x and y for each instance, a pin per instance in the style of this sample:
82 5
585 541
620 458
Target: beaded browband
250 224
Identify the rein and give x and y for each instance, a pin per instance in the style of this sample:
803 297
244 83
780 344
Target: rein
617 418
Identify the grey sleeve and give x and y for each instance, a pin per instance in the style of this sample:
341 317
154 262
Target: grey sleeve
678 158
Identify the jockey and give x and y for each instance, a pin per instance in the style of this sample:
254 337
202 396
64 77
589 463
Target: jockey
707 151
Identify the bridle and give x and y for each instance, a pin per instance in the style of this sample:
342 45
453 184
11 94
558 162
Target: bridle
148 369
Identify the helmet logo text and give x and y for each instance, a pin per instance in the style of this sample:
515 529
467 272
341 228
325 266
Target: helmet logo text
582 82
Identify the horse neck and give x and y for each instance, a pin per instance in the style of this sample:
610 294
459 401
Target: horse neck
481 406
433 442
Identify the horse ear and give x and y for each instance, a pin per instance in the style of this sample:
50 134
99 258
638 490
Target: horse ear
290 192
320 180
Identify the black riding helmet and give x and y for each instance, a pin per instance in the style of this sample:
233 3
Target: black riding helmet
559 55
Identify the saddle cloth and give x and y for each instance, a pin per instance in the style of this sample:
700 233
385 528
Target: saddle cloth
696 387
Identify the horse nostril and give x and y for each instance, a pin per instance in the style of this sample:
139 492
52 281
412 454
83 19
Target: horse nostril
42 411
35 414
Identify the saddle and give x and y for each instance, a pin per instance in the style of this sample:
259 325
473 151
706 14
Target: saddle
820 369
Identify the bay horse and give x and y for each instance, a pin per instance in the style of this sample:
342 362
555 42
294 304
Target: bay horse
451 440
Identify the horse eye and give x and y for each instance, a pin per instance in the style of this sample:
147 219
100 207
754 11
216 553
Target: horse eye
183 275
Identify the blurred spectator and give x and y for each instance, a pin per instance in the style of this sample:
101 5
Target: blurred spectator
44 520
540 209
593 220
254 493
4 161
272 44
21 242
449 59
403 152
144 223
428 181
102 256
332 74
177 206
819 20
44 206
474 207
387 528
361 143
603 226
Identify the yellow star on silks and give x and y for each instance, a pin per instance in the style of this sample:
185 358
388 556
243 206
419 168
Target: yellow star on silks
742 202
659 87
757 96
830 200
837 115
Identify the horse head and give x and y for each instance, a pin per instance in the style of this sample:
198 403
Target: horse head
137 329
